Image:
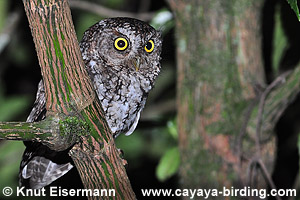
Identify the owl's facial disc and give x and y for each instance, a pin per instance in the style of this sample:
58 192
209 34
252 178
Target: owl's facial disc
124 44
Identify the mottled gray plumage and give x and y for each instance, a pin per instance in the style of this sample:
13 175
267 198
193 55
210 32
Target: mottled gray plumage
121 88
122 58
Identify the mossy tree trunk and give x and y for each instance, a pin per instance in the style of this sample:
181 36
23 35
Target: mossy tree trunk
74 114
69 91
226 110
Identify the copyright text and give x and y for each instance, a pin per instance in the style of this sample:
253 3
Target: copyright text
57 192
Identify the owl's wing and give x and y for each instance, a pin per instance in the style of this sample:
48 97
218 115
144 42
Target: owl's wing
133 126
40 165
38 111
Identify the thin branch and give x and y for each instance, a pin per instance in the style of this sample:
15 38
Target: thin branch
57 132
279 80
277 99
38 131
106 12
256 160
241 135
267 176
251 170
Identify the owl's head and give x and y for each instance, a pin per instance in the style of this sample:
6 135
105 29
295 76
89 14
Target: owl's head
123 44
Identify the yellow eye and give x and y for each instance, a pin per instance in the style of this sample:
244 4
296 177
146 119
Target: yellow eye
149 46
121 44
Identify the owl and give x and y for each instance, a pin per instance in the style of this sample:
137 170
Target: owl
122 57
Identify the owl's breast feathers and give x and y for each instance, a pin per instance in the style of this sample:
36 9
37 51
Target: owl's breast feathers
122 96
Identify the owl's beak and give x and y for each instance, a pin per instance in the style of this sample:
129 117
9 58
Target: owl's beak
136 63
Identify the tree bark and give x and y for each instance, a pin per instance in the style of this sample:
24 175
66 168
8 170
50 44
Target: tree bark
226 110
69 93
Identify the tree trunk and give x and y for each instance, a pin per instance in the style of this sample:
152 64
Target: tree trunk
222 93
71 98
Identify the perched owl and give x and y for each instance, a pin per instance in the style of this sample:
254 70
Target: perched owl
122 57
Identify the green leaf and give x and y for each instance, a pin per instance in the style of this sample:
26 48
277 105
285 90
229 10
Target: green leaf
294 6
168 164
172 128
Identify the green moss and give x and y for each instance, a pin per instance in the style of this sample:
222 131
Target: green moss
50 59
62 35
104 167
116 180
99 124
73 125
39 2
47 2
60 57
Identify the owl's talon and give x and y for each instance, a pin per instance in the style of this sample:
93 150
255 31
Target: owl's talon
121 152
124 162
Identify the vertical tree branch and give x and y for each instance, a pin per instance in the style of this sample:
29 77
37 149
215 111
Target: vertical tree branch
69 91
65 79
